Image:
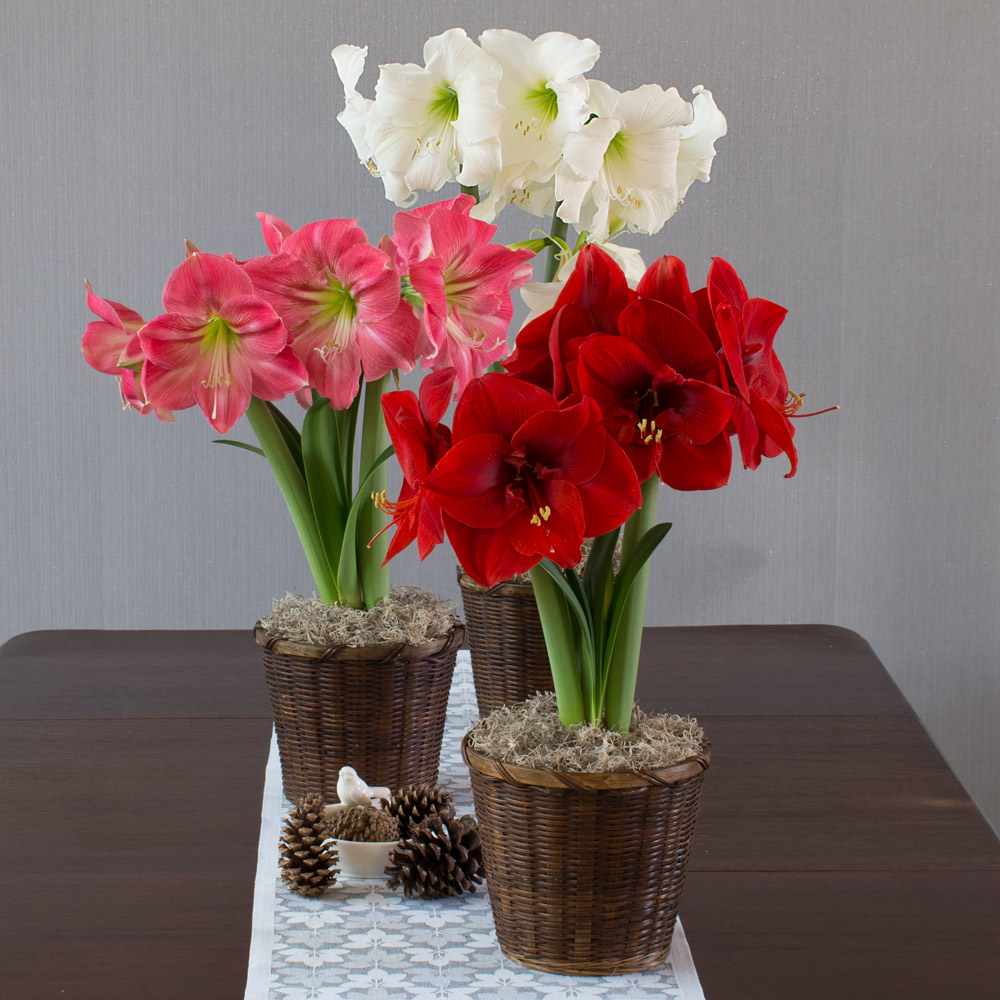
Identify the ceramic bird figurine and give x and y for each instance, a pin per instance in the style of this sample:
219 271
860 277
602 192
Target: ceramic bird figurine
352 790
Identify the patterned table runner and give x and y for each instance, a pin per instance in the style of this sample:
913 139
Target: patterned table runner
362 941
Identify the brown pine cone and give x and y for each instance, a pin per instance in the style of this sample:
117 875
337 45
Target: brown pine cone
413 804
363 823
442 857
308 858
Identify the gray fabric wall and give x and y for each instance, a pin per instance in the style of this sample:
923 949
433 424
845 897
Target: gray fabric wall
857 187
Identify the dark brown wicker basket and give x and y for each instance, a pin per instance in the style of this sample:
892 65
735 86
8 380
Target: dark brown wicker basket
380 709
585 870
506 644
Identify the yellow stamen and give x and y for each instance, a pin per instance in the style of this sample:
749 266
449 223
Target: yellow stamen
536 520
546 512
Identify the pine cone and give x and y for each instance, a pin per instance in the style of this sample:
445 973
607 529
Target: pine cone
415 803
441 857
308 858
363 823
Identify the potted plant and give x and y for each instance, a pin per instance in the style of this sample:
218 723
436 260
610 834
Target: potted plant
358 674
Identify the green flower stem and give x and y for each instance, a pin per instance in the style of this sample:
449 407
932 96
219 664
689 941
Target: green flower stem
374 440
472 189
293 489
624 667
563 645
558 231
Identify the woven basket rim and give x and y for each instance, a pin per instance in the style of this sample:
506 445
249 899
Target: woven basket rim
383 652
547 777
507 588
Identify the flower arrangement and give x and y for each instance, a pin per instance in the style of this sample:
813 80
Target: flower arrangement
622 378
321 316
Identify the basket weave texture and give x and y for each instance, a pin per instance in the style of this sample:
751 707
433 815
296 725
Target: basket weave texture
585 870
379 709
506 643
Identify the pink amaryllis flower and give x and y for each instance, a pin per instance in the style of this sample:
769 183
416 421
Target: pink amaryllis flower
420 439
526 479
340 299
111 345
465 281
217 344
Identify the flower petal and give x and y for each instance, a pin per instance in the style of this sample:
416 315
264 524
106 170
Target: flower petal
498 404
470 482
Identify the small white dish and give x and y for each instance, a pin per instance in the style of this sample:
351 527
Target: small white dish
361 858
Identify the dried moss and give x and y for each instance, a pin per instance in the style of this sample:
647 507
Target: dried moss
529 734
407 615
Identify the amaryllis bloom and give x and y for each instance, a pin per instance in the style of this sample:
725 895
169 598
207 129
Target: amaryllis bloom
420 439
340 299
218 344
743 330
111 345
465 280
544 95
654 385
620 168
590 302
697 148
526 480
428 124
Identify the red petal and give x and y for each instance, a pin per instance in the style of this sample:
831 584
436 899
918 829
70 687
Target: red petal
564 444
695 410
498 404
777 432
486 554
613 495
598 286
681 343
555 530
666 281
435 395
470 482
724 285
686 466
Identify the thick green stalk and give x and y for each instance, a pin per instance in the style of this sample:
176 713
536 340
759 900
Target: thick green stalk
472 189
563 645
294 490
558 231
624 667
374 440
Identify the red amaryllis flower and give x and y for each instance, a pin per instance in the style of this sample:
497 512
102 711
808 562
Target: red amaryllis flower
590 302
527 480
654 386
111 345
340 299
465 280
420 439
743 330
217 345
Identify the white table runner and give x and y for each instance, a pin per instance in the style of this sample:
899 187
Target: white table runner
362 941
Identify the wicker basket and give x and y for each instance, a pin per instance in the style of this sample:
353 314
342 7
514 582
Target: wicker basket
380 709
585 870
509 661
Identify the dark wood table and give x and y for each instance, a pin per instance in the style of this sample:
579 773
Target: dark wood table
836 854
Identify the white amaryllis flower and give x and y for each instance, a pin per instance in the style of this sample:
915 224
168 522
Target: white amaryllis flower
620 168
694 160
540 296
545 97
428 124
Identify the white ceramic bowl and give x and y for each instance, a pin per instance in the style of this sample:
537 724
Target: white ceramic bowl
361 858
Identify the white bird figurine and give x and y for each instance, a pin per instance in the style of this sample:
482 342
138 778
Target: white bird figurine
352 790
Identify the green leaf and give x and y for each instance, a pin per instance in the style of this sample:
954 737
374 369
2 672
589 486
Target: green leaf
631 565
574 604
348 580
290 433
321 460
598 569
240 444
535 246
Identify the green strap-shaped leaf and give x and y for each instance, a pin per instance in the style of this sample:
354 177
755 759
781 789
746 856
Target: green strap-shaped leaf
290 433
636 559
320 460
348 581
578 609
240 444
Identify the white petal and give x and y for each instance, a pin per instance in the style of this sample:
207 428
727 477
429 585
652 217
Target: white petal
566 55
697 147
650 108
602 98
350 63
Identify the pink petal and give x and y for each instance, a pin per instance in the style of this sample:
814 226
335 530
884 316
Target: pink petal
338 376
224 404
275 377
202 283
274 230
